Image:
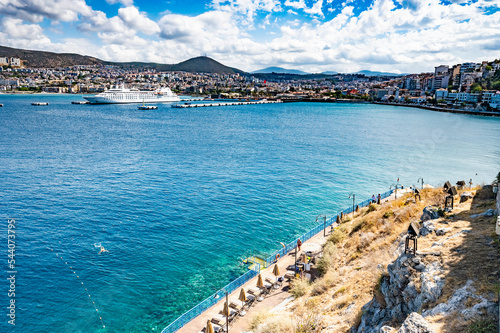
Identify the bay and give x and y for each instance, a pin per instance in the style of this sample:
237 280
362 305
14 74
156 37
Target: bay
179 196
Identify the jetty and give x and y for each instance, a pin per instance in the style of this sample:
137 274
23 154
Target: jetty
201 105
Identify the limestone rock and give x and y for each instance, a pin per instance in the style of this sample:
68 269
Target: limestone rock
466 196
430 213
458 301
427 228
490 212
442 231
386 329
409 286
415 323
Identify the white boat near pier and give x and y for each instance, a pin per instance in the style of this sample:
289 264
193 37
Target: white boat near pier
122 95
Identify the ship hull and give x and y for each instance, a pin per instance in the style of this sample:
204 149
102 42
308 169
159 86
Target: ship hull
104 100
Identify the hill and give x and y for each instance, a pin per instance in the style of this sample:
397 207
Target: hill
279 70
372 73
43 59
204 65
37 59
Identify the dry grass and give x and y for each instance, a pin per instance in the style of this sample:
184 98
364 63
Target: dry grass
357 253
265 322
300 287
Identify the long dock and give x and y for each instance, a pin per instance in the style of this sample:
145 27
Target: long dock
201 105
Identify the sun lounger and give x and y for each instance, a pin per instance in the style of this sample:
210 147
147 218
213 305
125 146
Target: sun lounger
254 291
219 320
216 328
235 304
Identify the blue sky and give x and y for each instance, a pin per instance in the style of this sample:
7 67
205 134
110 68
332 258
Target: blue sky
311 35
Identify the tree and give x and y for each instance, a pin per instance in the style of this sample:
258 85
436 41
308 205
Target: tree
476 87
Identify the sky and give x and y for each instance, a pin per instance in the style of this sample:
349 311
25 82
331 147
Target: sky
400 36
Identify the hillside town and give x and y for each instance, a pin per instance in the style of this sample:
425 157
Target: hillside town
470 86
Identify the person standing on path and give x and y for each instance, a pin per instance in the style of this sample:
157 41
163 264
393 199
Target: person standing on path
379 199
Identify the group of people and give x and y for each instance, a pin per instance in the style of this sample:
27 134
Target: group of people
376 199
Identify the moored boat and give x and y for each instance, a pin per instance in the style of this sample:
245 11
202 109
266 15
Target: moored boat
40 103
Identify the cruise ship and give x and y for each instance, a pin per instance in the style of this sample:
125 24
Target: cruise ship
122 95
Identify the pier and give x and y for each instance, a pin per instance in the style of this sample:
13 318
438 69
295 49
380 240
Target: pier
200 105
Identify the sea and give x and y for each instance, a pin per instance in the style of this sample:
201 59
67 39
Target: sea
176 198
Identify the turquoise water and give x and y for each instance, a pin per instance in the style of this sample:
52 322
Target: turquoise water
177 196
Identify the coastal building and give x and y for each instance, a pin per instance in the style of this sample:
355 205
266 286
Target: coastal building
4 61
15 62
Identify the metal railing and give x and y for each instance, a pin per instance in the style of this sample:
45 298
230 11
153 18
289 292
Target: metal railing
201 307
212 299
309 234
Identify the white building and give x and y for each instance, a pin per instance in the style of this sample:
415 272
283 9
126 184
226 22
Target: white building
15 62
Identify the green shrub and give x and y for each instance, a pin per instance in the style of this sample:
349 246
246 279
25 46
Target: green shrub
338 235
388 214
482 326
371 208
358 226
326 261
300 287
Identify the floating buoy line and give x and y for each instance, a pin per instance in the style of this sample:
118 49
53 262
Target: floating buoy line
83 285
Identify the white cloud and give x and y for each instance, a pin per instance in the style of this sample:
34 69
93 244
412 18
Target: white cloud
126 3
410 38
34 10
297 4
246 8
138 20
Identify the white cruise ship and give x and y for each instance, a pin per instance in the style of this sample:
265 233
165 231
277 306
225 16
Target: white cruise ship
122 95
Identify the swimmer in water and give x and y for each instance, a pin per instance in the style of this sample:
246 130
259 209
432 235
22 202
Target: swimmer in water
102 250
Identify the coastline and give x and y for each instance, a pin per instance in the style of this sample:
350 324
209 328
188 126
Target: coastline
273 300
438 109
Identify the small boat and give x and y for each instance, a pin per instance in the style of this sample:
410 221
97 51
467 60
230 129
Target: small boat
147 107
80 102
40 103
1 105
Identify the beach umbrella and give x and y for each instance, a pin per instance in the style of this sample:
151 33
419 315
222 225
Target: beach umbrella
242 297
276 272
260 283
225 311
210 328
304 258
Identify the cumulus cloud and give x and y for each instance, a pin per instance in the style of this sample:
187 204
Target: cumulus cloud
35 11
405 35
246 8
138 20
126 3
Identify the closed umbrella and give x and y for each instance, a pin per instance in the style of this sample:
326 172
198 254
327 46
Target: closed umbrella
276 272
209 328
225 311
304 258
243 296
260 283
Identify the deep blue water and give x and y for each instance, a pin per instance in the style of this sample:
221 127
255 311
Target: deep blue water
178 195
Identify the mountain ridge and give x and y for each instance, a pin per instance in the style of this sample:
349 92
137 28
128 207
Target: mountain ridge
45 59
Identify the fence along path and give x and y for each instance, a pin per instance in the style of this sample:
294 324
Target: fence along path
254 271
